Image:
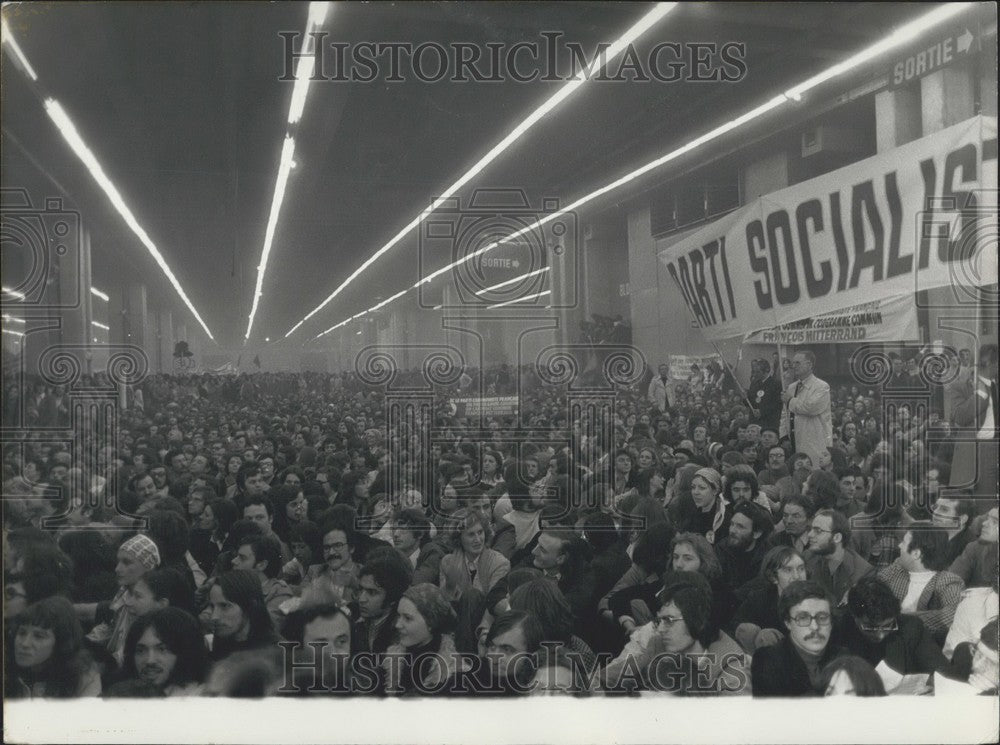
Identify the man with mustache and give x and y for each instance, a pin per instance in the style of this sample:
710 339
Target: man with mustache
833 565
165 652
793 667
742 552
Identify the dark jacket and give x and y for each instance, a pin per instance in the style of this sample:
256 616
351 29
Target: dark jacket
851 569
765 395
739 567
608 567
778 670
504 541
977 564
429 562
957 544
761 608
907 651
723 601
204 550
364 545
377 639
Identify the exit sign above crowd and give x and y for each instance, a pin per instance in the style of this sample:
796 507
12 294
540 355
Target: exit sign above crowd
933 54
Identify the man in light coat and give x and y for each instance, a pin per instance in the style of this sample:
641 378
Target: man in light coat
806 417
659 390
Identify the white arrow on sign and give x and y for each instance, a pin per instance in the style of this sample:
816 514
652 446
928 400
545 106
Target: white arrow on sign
965 41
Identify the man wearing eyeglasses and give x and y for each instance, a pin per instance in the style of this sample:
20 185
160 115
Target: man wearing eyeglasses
876 630
793 667
833 565
338 576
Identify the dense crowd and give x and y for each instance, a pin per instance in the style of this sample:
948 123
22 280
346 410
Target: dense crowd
267 534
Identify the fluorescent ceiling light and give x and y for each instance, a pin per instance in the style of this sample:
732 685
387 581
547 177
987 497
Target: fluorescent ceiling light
97 293
11 43
303 72
903 35
14 293
75 141
599 61
13 333
12 319
899 37
512 281
100 325
519 300
287 153
304 66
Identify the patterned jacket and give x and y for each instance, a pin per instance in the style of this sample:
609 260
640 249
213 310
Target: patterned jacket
936 604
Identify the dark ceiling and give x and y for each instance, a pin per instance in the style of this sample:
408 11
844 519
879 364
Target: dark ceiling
183 105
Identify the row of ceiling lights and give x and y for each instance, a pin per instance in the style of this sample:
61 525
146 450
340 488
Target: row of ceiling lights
903 35
317 16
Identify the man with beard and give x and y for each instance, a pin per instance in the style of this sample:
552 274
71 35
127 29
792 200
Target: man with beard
833 565
741 553
793 667
165 651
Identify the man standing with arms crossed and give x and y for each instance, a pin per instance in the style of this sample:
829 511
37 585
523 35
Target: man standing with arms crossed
807 418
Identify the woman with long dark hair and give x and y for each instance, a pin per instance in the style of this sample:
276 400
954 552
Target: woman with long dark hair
211 531
226 485
45 655
851 676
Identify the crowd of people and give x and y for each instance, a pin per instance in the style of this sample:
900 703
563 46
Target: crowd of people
267 535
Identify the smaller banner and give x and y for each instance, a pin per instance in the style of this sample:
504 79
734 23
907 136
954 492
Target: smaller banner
680 364
487 406
892 320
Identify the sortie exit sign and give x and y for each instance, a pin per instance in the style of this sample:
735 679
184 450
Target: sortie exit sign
933 54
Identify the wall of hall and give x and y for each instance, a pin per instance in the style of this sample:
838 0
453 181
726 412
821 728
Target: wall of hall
888 118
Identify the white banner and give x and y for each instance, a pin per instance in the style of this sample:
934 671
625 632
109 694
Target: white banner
486 406
892 320
680 364
921 216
